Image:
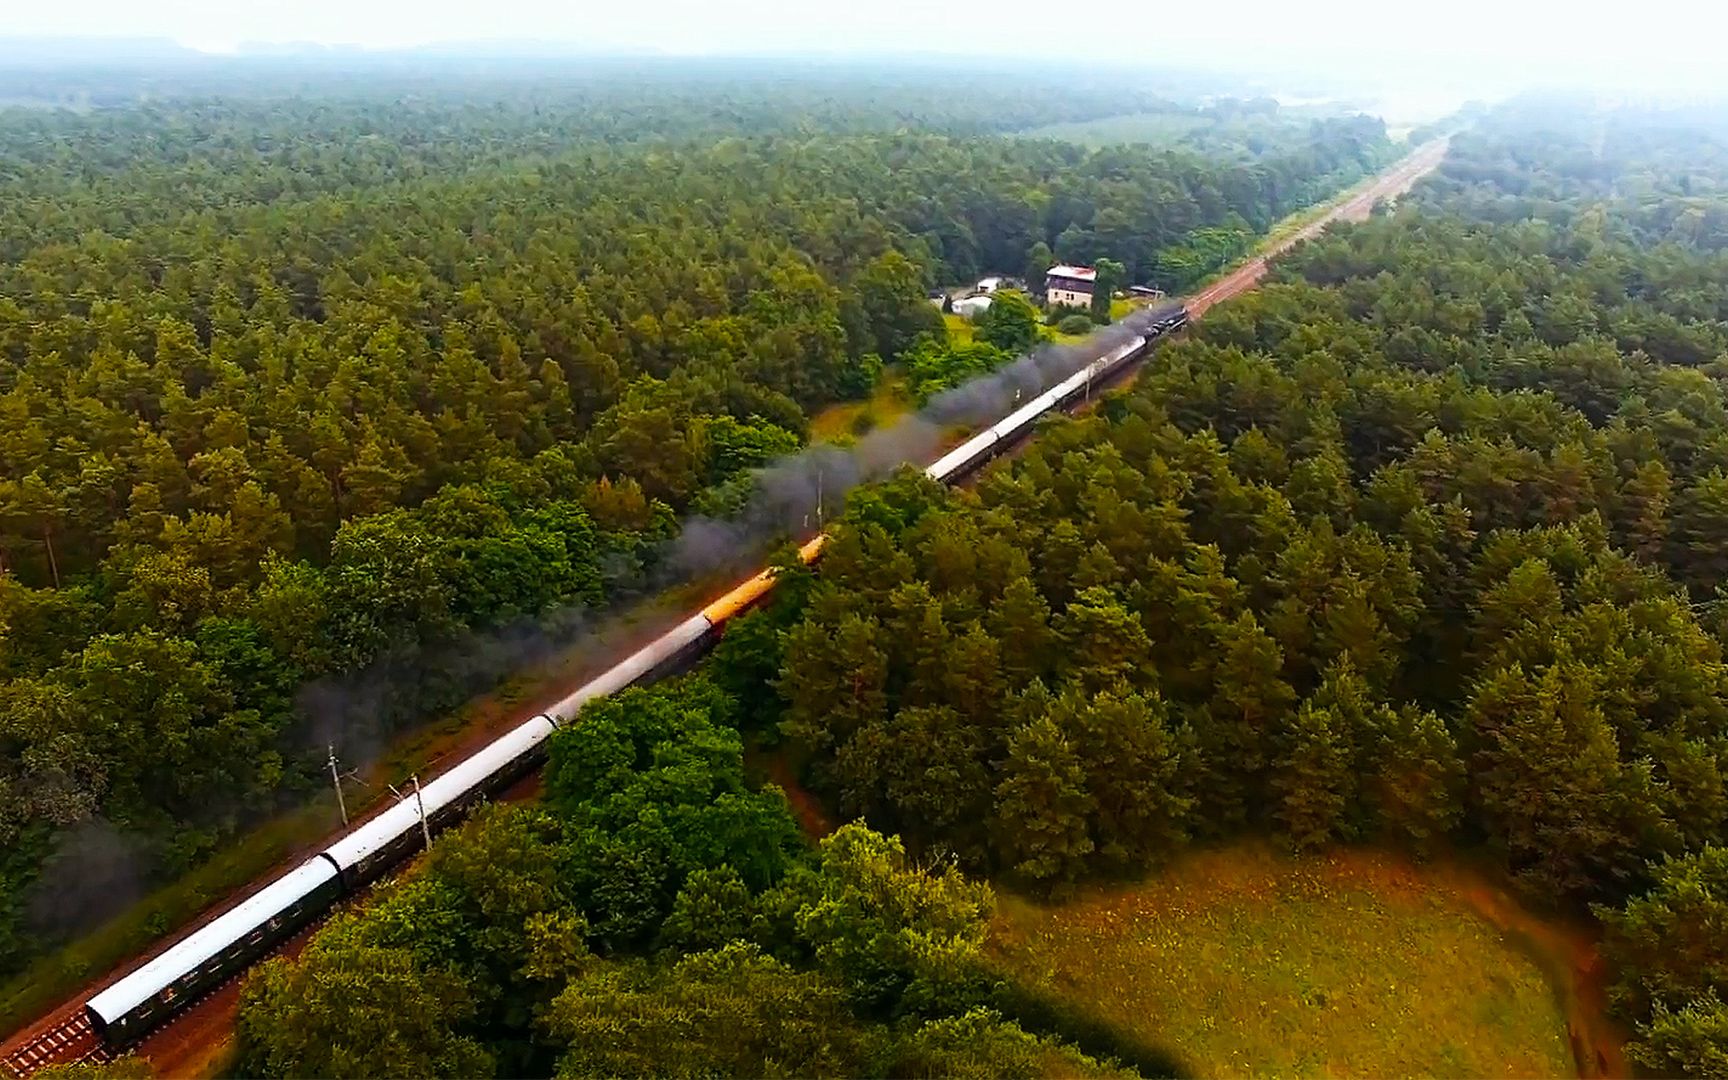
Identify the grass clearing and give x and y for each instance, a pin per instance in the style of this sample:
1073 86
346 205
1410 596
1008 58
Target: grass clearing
959 328
1120 308
848 419
1247 961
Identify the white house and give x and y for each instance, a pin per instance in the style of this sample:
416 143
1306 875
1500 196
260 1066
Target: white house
1070 286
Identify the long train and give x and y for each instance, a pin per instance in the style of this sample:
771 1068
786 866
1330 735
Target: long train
128 1008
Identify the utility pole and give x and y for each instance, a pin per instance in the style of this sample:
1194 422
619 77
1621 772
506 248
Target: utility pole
819 475
336 780
420 804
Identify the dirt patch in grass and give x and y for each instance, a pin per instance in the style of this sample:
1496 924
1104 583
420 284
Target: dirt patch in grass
1246 961
808 809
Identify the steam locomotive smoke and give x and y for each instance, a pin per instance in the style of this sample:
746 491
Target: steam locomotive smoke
795 493
360 713
95 870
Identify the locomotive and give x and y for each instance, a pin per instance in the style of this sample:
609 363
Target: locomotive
125 1010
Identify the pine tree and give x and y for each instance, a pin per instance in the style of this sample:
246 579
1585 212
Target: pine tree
1020 621
1112 276
1098 568
1042 806
1690 1041
1249 703
1058 559
918 637
834 681
973 683
1103 642
1551 787
1417 789
1701 529
1669 945
1137 771
1641 519
1313 777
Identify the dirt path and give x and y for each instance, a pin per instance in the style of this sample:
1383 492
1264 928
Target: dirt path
1567 948
1570 952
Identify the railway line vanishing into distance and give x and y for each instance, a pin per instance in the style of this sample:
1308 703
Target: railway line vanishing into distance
139 1005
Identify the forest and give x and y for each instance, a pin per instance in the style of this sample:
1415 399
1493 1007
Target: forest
1421 545
489 92
296 392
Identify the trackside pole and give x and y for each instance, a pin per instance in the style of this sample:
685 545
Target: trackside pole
420 805
336 781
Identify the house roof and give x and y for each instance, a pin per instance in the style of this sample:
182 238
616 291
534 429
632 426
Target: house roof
1078 273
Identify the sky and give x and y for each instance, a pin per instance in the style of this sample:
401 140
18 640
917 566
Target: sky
1660 43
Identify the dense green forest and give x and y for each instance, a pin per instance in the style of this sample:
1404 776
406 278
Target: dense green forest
297 391
632 99
1421 544
656 916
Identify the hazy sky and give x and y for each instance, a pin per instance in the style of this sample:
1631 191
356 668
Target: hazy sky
1661 40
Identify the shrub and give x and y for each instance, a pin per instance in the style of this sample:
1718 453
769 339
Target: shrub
1075 324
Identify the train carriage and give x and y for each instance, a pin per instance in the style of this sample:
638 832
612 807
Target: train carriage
208 956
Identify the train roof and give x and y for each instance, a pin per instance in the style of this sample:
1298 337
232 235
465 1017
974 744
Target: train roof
632 667
446 788
199 947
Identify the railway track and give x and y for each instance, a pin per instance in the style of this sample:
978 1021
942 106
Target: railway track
65 1036
1355 206
72 1041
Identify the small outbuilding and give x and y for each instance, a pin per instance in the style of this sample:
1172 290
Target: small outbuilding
971 307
